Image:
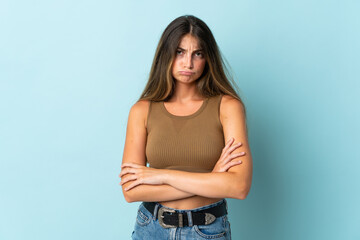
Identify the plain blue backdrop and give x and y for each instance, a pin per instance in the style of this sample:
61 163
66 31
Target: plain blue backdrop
71 70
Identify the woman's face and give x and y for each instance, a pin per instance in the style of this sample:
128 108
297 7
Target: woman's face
189 61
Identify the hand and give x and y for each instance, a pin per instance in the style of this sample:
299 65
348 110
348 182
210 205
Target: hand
139 174
224 163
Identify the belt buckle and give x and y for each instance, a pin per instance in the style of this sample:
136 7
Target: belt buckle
161 217
209 218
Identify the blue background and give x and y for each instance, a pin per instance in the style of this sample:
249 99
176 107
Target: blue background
71 70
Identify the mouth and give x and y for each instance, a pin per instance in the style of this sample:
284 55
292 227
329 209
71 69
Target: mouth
186 73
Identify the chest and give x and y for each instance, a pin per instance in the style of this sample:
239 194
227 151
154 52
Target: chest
184 144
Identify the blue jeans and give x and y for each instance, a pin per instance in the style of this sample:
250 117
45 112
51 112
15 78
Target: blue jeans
147 227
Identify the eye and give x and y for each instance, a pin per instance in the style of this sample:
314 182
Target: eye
178 52
199 54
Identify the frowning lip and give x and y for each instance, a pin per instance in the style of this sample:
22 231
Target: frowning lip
187 73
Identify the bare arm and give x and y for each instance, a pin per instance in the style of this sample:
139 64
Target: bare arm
134 152
235 183
154 193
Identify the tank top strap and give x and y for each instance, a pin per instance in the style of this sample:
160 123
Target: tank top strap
214 104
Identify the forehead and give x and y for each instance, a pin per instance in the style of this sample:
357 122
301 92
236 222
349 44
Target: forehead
189 41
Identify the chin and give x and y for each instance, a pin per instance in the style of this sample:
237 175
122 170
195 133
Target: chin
185 79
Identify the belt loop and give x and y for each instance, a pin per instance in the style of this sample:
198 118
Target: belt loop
156 210
190 220
181 219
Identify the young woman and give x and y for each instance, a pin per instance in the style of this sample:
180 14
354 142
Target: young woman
189 125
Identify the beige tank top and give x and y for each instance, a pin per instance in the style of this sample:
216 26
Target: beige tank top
190 143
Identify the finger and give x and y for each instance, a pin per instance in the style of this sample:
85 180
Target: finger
123 172
230 140
127 171
231 148
232 156
127 179
235 146
231 164
227 150
228 144
235 155
132 185
134 165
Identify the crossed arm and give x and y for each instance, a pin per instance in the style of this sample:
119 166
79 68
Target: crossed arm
230 178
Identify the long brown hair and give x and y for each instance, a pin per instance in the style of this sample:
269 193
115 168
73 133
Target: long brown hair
215 78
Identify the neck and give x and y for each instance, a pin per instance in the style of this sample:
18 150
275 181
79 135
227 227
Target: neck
185 92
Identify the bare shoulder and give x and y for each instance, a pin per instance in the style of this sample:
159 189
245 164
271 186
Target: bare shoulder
141 107
135 141
139 111
230 106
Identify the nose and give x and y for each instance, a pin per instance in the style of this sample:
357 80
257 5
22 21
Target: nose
188 61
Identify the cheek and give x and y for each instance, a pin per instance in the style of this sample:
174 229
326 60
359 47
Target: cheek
201 65
174 67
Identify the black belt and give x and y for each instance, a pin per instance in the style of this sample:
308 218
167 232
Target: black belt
172 218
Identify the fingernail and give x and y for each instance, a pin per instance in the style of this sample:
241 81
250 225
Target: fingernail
240 161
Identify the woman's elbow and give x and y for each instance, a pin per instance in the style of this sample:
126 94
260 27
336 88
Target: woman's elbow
128 196
242 196
241 192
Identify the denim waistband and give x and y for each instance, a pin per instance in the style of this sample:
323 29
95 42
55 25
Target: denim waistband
158 206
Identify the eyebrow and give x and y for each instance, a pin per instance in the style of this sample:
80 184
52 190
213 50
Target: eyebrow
185 50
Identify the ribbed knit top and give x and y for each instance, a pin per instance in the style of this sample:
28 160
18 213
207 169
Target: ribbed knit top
190 143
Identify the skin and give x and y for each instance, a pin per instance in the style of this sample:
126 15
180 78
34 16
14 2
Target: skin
232 174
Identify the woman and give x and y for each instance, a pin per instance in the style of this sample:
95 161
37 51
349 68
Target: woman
189 125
